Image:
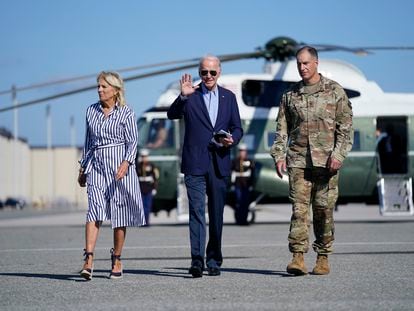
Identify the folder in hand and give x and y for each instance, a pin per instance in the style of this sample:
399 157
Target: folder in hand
221 134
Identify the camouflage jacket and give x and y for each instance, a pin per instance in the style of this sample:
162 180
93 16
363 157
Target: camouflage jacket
312 126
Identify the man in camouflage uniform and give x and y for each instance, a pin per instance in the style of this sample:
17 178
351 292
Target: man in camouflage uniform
313 136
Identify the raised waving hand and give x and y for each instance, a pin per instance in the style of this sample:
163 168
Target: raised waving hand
186 83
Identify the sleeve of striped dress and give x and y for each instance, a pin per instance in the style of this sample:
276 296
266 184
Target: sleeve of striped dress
131 138
87 144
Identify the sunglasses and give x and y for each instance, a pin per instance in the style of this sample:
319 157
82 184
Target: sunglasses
213 73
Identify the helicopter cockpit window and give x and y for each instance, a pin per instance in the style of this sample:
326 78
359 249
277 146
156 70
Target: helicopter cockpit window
265 94
155 133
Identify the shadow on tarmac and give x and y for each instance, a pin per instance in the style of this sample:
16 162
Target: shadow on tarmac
256 271
64 277
75 277
183 275
168 258
375 253
180 273
239 270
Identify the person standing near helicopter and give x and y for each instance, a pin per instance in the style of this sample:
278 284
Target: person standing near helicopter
242 179
207 109
313 136
148 175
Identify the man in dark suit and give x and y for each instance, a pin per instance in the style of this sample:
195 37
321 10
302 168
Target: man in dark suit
207 109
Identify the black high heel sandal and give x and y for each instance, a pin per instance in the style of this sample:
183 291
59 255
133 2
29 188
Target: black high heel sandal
87 273
115 275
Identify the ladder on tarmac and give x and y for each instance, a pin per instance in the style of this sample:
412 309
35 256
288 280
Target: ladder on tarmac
395 195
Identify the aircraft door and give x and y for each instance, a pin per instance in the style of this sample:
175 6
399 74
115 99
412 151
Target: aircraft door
392 145
394 186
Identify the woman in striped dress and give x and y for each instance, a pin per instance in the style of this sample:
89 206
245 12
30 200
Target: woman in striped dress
108 170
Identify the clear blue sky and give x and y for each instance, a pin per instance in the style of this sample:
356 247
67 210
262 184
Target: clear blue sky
45 40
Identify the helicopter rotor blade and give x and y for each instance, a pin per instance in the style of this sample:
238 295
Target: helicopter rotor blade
227 57
385 48
88 76
223 58
91 87
388 48
330 48
277 49
362 51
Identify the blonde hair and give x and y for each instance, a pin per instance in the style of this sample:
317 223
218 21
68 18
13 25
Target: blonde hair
114 79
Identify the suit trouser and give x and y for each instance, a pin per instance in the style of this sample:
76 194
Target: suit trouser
215 187
317 187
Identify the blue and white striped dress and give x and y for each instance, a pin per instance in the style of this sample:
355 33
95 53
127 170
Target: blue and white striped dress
108 142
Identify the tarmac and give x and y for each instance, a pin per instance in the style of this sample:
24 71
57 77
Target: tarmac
372 267
267 213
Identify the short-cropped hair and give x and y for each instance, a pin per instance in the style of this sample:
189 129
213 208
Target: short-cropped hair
311 50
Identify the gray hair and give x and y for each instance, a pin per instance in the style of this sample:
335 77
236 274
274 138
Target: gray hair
209 57
114 79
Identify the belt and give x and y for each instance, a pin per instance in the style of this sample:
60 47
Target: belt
86 162
146 179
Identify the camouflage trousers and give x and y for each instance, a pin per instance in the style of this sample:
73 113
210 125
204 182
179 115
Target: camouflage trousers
315 187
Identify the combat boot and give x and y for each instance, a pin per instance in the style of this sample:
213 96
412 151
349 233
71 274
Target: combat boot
297 265
322 265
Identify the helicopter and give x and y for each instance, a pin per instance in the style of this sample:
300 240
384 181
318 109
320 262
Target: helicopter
258 96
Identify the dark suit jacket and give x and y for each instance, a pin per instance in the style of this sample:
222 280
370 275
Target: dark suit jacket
199 131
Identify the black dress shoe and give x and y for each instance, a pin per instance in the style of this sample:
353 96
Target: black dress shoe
196 270
213 271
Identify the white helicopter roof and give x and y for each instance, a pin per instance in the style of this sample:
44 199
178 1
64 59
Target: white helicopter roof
371 102
340 71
